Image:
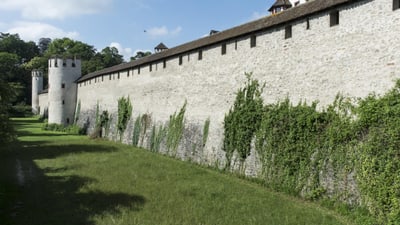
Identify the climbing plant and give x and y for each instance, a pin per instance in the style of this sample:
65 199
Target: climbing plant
243 120
297 144
77 111
124 114
175 129
206 128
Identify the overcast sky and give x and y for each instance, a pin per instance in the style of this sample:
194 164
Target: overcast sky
129 25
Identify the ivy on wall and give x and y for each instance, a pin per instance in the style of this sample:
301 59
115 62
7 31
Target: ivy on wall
124 114
298 142
243 120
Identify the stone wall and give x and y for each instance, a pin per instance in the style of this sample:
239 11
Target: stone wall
358 56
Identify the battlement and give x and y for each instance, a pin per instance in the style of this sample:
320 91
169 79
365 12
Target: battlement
61 62
37 73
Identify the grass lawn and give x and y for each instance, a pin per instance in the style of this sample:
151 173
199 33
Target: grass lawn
53 178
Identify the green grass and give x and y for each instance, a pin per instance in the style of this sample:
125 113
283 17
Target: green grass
73 180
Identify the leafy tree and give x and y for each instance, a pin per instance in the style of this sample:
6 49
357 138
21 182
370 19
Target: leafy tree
7 94
11 43
44 45
67 47
111 57
140 54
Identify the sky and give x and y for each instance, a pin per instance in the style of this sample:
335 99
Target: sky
128 25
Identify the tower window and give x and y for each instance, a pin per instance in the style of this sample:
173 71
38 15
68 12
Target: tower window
253 41
64 64
235 44
151 67
55 63
138 70
334 18
288 31
127 73
73 64
63 102
63 85
396 4
308 24
67 120
165 63
102 78
200 54
180 60
118 76
223 49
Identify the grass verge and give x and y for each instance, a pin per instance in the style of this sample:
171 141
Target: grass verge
53 178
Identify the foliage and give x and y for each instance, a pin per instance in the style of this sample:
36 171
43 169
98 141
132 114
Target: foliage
124 114
379 161
297 143
175 129
140 55
243 120
136 131
156 137
71 129
206 128
77 112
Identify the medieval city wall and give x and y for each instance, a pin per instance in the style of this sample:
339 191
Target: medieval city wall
358 56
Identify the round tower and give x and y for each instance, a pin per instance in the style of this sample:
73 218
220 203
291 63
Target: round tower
63 72
37 87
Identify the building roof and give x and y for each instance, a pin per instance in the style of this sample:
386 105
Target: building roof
292 14
280 3
161 46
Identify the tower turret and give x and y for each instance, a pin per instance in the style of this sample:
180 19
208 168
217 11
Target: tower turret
37 87
62 89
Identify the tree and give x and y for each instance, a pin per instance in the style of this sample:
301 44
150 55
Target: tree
140 54
8 93
11 43
44 45
111 57
67 47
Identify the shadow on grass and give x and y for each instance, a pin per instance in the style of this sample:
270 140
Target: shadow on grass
53 195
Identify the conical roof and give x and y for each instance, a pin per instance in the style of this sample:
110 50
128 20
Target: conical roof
280 3
161 46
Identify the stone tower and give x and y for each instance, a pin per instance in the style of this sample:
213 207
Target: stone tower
63 72
37 87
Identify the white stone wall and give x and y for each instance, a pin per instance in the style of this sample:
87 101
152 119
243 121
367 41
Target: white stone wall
359 56
62 89
37 87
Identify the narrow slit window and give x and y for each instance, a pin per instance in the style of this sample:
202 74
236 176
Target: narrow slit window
180 60
334 18
165 63
236 44
288 31
63 85
138 70
151 67
308 24
396 4
223 49
200 54
253 41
